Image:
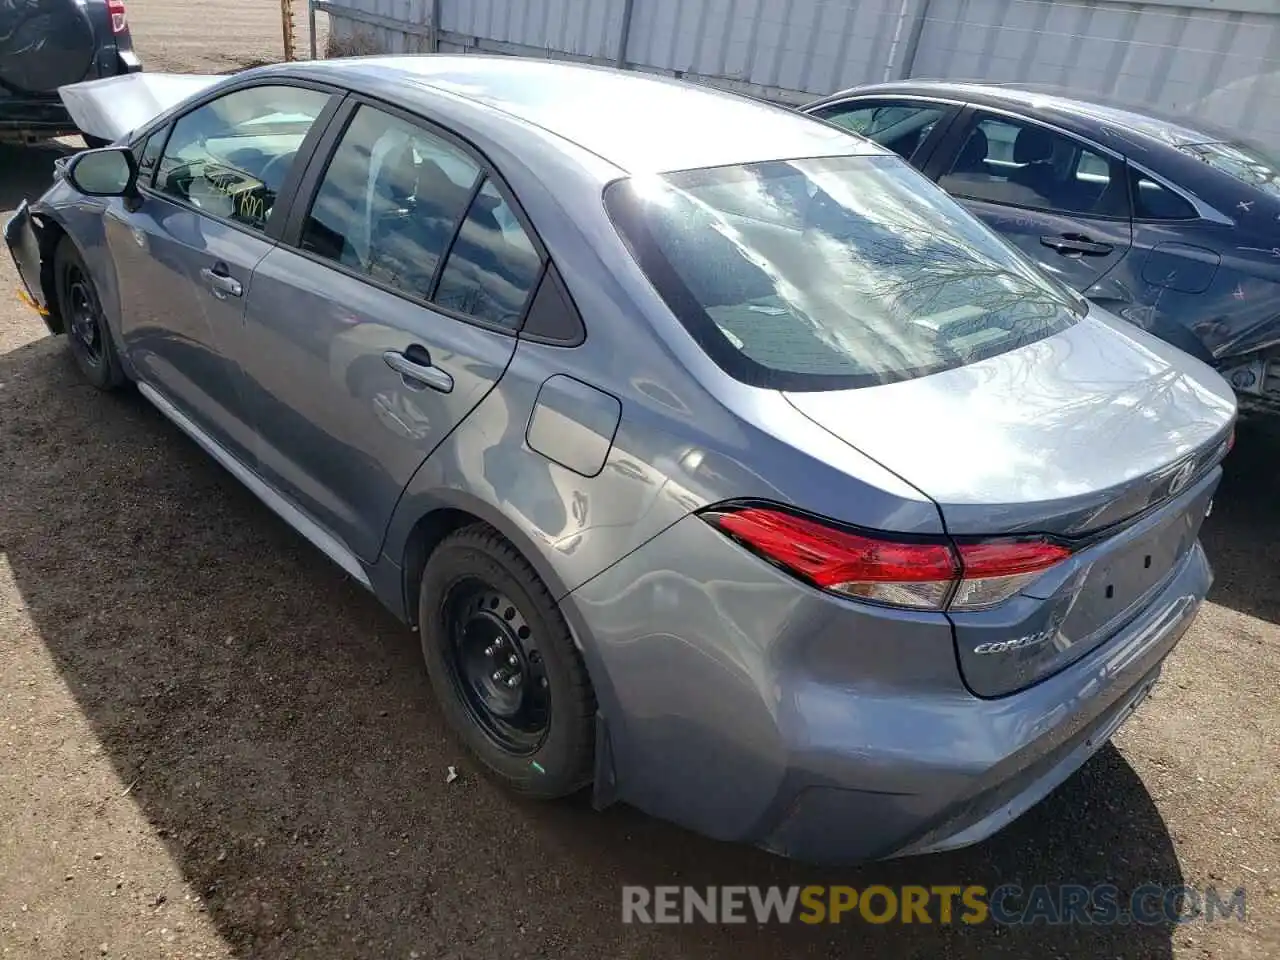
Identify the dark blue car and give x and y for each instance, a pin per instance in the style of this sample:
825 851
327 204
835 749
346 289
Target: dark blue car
1173 226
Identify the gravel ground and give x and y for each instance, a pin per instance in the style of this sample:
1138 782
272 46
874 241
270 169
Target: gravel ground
213 744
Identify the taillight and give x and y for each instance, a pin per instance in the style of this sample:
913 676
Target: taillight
920 574
119 19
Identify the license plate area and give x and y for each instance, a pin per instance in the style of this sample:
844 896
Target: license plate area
1130 566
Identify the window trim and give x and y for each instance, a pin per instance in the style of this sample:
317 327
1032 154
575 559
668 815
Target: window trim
975 118
286 198
318 165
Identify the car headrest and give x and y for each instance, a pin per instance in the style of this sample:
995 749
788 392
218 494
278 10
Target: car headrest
1033 145
975 151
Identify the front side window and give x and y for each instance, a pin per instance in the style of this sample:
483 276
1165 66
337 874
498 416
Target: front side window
390 201
832 273
900 127
1026 165
229 158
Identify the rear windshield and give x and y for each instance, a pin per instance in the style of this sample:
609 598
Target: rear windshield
832 273
1245 162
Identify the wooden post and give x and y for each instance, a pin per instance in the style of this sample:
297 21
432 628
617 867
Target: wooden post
286 22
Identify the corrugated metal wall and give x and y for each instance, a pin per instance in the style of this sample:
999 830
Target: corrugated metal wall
1214 58
1217 63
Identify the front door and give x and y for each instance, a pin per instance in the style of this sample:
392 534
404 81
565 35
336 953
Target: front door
381 321
1063 203
185 256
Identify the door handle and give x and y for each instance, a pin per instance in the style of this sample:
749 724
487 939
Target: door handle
220 283
1077 245
415 364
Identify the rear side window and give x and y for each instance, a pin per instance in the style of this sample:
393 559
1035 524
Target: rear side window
832 273
493 266
229 158
1155 201
390 201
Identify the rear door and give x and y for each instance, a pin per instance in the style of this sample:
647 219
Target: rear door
910 127
389 311
1063 202
184 254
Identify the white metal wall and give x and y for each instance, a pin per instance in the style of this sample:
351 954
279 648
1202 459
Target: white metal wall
1218 59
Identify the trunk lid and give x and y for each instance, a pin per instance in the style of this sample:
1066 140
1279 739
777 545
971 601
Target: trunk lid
1099 435
116 106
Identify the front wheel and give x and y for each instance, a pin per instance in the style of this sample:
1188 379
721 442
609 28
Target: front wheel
88 335
504 666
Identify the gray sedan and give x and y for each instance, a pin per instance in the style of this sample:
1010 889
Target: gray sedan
724 464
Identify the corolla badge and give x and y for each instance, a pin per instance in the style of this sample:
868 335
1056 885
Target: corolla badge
1021 643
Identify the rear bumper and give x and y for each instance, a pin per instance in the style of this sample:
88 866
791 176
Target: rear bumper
752 709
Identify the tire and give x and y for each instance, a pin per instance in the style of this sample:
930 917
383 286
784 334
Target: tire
477 589
88 335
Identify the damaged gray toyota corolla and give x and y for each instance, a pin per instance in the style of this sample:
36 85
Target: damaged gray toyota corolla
724 464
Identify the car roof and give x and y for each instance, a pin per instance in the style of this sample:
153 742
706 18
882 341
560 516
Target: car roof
1056 105
639 122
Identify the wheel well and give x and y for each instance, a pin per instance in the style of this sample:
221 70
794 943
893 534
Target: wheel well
425 536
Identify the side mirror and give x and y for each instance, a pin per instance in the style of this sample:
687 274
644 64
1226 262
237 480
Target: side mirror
108 172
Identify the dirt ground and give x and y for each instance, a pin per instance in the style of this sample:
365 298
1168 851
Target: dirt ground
213 744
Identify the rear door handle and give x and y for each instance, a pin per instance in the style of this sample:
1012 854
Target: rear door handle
222 284
415 364
1077 245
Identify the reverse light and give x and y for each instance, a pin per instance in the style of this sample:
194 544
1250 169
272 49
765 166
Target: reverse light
119 18
917 574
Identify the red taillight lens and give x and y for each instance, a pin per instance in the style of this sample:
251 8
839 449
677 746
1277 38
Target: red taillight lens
119 19
928 575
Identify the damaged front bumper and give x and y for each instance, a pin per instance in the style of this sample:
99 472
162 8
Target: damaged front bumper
24 246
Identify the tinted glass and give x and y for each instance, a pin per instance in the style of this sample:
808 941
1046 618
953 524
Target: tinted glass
493 265
1026 165
230 157
148 154
1154 201
1247 163
834 272
899 127
390 201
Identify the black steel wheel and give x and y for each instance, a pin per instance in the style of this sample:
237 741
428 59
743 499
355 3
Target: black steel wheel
84 322
494 661
504 665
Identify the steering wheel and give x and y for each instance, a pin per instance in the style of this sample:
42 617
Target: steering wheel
276 169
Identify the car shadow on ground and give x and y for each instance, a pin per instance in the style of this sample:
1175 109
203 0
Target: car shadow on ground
277 729
1242 534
